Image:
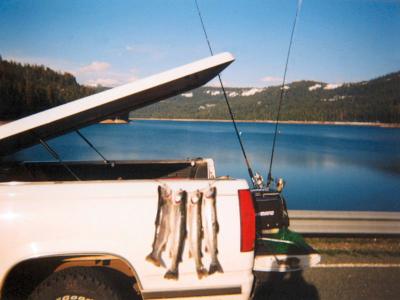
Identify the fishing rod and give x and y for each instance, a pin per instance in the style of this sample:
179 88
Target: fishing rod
282 94
255 179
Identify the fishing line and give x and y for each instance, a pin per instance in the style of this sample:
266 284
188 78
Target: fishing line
282 94
249 170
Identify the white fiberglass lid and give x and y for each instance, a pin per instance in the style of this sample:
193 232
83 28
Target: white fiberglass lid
61 119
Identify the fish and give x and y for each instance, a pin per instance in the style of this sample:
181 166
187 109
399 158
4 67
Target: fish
194 226
162 226
211 228
177 236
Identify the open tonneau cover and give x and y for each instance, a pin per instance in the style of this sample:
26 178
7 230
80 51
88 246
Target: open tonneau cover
56 121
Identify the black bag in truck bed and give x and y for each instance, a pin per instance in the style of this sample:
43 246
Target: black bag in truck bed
270 210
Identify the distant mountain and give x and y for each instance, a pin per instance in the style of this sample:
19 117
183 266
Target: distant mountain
376 100
26 89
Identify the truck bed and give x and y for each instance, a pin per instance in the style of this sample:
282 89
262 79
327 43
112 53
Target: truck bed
113 170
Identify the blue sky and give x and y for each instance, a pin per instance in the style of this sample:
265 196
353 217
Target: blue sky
113 42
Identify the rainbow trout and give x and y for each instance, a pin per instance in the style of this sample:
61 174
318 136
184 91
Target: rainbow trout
177 221
211 228
162 225
195 231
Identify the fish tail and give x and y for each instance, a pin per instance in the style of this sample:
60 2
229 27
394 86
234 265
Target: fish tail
201 272
215 266
152 259
172 274
157 261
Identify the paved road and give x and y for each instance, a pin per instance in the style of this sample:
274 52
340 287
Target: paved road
357 279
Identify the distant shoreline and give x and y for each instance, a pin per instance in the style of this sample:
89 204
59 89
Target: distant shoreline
374 124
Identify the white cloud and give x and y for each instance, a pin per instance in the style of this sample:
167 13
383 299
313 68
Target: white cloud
233 94
102 81
94 67
97 72
271 79
107 75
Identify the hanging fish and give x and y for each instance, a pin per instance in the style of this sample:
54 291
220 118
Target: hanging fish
211 228
162 224
195 231
177 222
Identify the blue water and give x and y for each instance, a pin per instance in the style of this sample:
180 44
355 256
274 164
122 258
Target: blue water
325 167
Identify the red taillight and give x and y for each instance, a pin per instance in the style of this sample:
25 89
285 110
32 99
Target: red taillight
247 221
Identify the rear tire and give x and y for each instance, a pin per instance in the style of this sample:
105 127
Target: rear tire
76 284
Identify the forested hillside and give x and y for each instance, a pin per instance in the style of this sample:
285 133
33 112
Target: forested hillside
26 89
377 100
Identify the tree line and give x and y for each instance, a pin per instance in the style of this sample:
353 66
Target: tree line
26 89
376 100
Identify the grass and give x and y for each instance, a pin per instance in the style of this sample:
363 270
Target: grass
378 247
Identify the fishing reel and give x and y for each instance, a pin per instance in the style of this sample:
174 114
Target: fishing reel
258 182
280 184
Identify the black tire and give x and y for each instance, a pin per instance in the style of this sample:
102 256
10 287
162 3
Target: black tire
76 284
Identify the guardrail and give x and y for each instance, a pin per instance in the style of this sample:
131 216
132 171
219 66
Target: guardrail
345 222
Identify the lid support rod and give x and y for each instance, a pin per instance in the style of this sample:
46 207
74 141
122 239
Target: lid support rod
92 146
57 157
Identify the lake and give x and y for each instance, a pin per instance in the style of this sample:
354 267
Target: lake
325 167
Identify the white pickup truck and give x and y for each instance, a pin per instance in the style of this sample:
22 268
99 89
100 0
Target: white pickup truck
123 229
